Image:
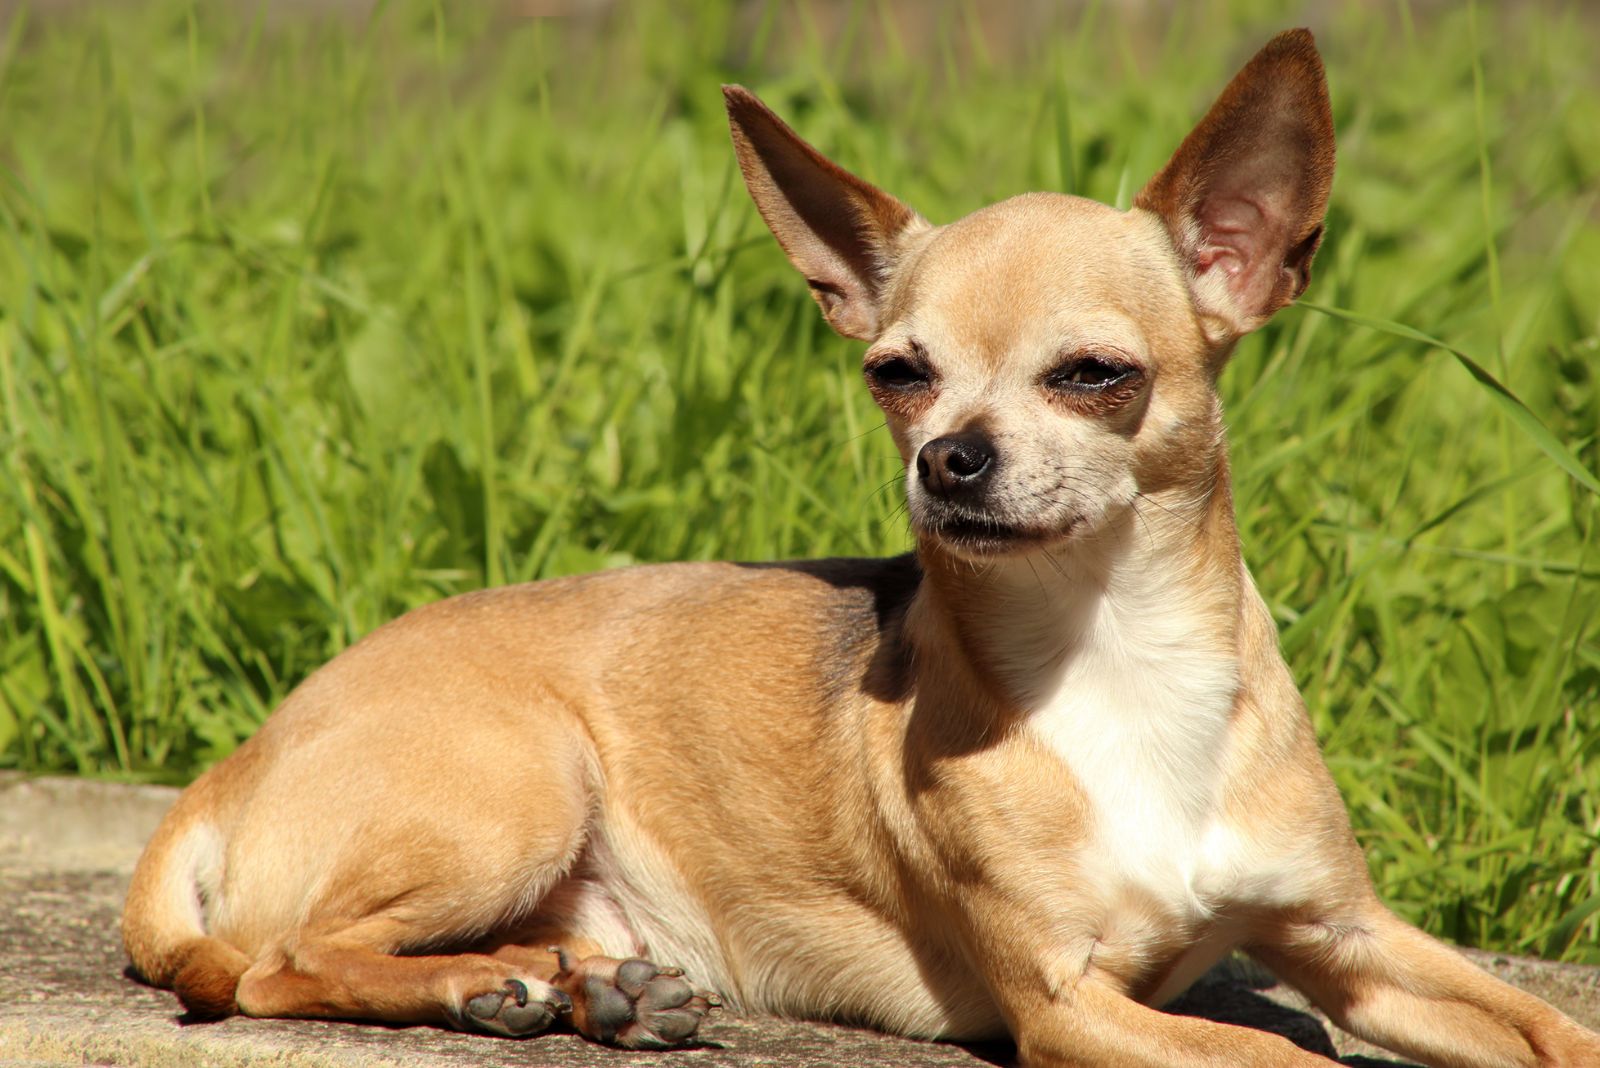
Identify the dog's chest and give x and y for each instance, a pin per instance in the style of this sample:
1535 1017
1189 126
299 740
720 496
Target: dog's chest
1140 716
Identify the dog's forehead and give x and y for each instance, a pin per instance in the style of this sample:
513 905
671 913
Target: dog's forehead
1043 270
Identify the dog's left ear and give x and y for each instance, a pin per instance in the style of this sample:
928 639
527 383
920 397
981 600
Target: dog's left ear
1244 195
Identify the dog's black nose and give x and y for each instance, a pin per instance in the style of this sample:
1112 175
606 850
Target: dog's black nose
956 465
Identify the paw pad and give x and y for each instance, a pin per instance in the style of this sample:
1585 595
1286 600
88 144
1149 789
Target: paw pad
634 1003
511 1011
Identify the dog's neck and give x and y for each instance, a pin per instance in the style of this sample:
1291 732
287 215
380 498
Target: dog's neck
1165 571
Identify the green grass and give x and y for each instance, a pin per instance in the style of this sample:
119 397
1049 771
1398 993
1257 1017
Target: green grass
304 323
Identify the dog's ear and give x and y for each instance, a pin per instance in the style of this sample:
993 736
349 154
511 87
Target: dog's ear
837 230
1244 195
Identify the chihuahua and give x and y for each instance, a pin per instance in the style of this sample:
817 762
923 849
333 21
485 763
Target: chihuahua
1032 779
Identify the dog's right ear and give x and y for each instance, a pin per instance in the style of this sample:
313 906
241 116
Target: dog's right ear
838 231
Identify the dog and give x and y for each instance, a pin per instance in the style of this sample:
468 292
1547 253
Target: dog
1030 780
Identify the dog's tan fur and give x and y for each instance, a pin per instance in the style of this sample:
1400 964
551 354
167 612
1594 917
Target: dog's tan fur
1033 779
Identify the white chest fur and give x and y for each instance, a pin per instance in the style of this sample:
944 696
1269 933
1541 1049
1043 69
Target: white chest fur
1138 707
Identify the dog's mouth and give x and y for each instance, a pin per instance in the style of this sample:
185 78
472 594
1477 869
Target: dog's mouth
977 535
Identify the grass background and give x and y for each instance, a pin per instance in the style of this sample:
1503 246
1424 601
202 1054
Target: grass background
308 318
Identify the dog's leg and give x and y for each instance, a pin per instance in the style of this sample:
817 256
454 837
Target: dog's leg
514 990
1063 1009
1378 977
343 977
1092 1025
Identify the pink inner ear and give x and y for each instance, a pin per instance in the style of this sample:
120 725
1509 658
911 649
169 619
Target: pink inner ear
1241 235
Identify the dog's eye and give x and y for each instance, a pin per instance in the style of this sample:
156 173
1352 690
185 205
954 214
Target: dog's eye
898 373
1082 373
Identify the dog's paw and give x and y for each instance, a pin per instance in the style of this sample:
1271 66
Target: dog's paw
514 1010
633 1003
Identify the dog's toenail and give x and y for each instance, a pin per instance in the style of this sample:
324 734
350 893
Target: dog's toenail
519 991
562 1003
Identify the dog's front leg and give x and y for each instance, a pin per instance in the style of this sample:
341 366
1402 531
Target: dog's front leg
1378 977
1062 1010
1094 1026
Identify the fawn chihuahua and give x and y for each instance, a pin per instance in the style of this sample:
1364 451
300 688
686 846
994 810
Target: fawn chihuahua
1032 779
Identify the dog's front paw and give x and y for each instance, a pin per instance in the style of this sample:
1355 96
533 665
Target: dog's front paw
515 1010
633 1003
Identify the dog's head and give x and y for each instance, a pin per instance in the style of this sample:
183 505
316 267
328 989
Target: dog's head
1045 361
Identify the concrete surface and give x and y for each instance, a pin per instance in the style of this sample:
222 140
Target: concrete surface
67 846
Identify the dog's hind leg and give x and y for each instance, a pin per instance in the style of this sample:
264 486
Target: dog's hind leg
343 976
515 991
353 880
390 937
